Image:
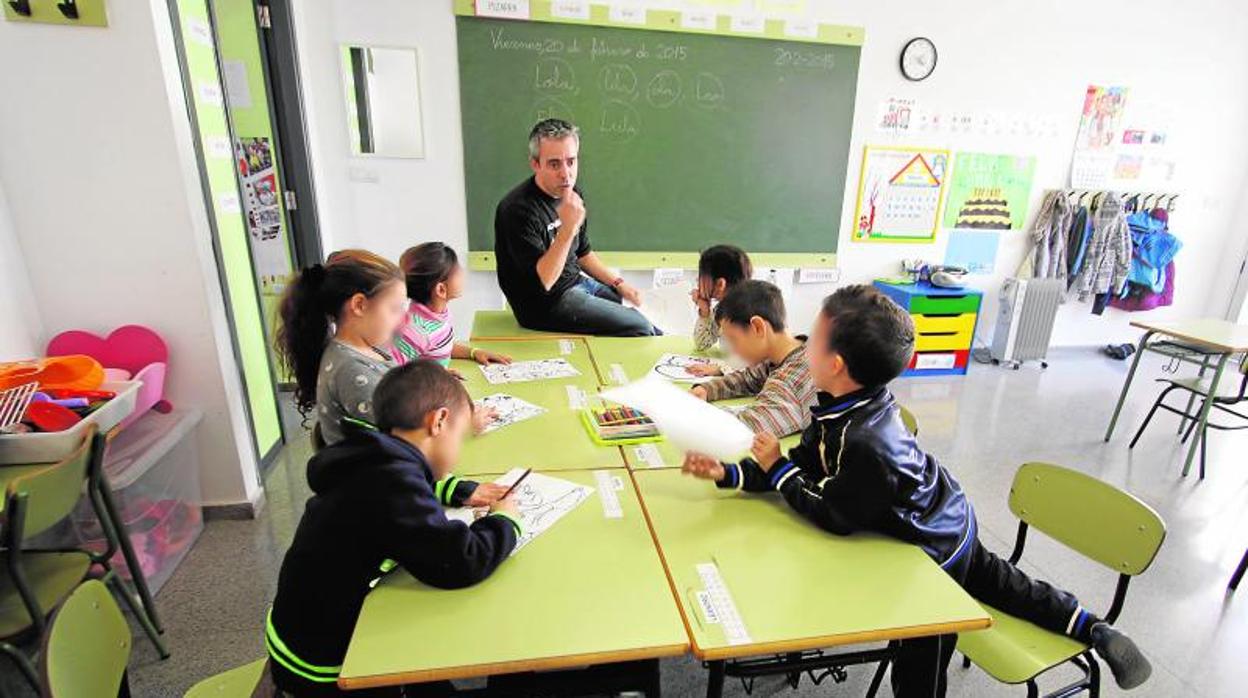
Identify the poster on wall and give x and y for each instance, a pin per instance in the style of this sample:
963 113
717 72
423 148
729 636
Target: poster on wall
899 194
989 192
263 210
1093 164
973 250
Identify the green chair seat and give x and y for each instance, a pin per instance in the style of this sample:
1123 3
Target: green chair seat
238 682
51 577
1014 650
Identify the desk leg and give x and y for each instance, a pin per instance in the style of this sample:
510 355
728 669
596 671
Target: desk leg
1204 414
1126 385
1191 399
715 679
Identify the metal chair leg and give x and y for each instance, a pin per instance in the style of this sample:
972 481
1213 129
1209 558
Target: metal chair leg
878 679
1188 434
127 552
119 586
1033 691
1239 572
966 662
24 665
1094 676
1204 443
1149 418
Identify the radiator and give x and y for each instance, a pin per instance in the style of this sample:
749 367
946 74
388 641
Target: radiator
1025 319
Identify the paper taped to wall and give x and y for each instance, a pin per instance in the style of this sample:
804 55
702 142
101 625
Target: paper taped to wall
689 423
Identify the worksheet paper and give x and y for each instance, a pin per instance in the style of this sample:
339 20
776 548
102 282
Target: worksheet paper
508 409
542 501
675 367
689 423
524 371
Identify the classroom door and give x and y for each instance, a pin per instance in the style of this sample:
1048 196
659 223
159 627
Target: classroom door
244 196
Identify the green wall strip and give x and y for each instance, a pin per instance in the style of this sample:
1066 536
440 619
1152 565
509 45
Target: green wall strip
484 261
670 20
235 255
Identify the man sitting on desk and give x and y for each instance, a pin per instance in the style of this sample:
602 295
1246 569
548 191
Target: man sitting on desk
541 245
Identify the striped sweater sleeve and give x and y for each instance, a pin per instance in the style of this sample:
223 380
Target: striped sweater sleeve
783 403
744 383
704 333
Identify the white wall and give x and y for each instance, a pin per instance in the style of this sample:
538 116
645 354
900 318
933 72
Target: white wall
96 158
1015 56
22 327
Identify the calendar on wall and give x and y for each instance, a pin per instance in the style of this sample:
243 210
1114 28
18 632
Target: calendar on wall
899 194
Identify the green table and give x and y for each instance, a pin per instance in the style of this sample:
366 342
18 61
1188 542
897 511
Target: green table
589 590
501 324
635 356
554 440
777 568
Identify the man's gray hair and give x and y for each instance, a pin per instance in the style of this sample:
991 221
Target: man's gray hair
550 129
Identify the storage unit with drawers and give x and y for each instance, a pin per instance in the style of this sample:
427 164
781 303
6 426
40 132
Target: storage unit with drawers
944 325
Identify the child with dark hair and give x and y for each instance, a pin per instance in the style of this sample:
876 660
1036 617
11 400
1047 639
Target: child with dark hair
377 503
857 468
334 317
434 278
751 320
720 267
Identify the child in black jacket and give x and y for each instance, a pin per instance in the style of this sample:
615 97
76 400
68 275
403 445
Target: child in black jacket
375 504
857 468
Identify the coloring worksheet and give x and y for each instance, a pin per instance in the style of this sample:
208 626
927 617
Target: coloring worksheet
524 371
675 367
508 409
542 499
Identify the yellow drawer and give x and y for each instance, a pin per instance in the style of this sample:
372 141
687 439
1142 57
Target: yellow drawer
944 323
944 332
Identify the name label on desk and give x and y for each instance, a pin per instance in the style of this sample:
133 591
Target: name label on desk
608 487
721 603
648 454
566 346
577 399
708 608
618 375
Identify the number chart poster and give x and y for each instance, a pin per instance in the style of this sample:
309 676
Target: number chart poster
989 192
899 194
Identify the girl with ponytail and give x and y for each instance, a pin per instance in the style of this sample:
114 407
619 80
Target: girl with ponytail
333 320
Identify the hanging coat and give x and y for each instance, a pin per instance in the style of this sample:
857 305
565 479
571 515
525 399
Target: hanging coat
1049 231
1107 260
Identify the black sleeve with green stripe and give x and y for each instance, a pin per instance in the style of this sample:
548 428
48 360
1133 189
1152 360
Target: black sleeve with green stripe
453 491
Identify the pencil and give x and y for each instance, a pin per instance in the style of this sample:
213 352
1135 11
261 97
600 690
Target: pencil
515 484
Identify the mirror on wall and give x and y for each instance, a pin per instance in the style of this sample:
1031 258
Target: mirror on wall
383 101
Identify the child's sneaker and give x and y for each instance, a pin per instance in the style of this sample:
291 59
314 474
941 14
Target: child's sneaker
1128 664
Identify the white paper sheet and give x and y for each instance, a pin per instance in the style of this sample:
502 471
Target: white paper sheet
524 371
689 423
675 367
542 501
508 409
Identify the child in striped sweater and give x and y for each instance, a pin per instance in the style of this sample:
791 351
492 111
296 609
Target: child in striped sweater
751 320
434 277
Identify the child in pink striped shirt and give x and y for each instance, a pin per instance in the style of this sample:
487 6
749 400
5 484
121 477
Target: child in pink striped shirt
434 277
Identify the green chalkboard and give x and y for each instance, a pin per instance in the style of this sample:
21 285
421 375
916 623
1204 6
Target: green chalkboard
686 138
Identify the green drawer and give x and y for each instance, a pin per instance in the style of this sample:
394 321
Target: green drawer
944 305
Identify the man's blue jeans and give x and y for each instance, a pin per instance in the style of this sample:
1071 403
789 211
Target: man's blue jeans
594 308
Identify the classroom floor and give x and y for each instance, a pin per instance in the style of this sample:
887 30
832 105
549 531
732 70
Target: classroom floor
981 426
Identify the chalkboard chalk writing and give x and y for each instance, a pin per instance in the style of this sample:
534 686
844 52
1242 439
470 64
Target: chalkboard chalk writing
664 89
709 91
618 80
550 108
620 122
554 76
824 60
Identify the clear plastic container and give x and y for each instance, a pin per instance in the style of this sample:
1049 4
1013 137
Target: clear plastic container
49 447
153 469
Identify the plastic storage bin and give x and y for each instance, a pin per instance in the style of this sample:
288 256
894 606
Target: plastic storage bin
153 469
53 446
